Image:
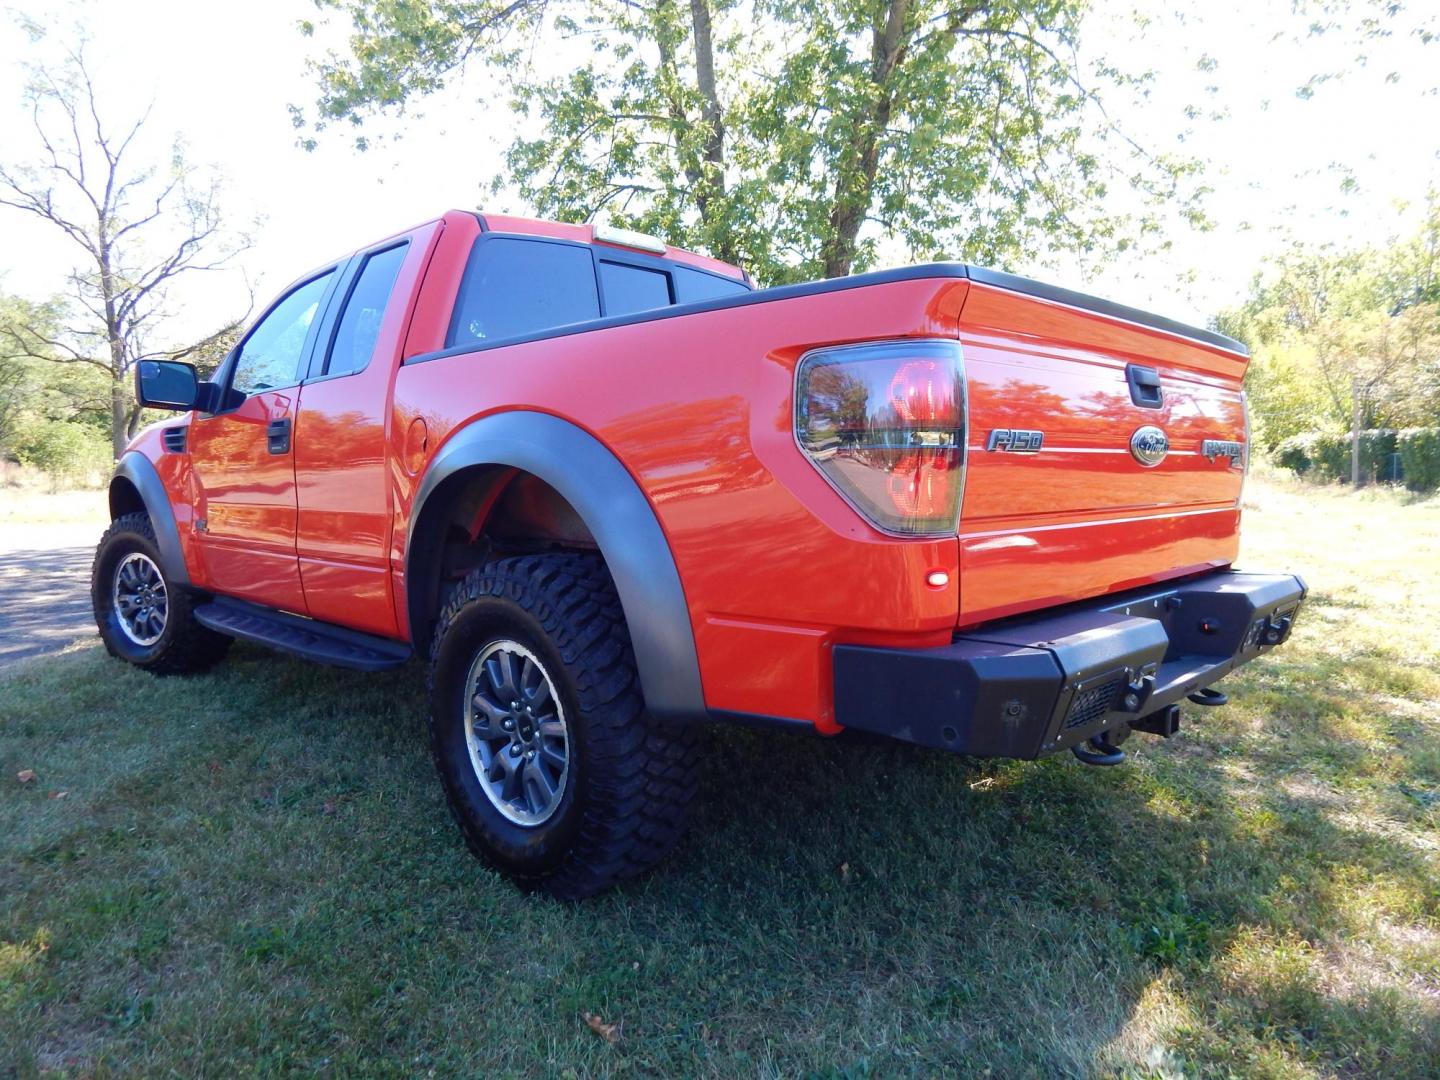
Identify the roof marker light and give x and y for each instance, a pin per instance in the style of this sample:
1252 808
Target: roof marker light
609 234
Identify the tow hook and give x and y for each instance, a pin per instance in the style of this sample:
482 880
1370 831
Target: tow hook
1098 750
1210 697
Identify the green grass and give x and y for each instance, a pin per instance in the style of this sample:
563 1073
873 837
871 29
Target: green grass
254 872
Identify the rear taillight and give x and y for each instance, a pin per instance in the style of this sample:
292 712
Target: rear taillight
885 424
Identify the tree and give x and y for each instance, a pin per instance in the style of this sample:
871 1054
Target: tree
1348 340
1363 23
17 383
788 135
138 229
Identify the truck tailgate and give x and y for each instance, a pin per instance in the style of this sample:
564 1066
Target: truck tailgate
1082 515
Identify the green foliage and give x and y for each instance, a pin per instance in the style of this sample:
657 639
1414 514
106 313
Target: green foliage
18 382
1293 453
1171 937
1324 455
68 452
1420 455
973 129
52 415
1284 397
1339 333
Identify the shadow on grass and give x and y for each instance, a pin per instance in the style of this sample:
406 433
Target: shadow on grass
255 871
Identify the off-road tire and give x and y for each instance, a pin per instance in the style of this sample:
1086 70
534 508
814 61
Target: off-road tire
625 803
184 647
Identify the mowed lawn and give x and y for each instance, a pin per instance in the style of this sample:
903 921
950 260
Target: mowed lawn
254 872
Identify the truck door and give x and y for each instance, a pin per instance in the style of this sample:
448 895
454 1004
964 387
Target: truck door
342 482
242 460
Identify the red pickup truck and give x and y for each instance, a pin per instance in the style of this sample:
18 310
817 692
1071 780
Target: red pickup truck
613 492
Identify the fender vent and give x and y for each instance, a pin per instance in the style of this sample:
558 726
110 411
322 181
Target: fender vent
174 439
1094 702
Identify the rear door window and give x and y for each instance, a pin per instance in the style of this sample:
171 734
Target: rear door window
629 289
364 310
692 286
517 287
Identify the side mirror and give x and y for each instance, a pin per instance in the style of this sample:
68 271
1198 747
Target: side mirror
166 384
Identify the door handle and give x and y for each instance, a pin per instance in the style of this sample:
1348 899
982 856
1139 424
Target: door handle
278 436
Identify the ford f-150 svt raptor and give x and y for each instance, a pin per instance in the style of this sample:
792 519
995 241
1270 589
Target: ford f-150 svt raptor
611 491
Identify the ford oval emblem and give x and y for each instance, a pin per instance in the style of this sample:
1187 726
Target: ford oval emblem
1149 445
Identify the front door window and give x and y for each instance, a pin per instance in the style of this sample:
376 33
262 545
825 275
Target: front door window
272 353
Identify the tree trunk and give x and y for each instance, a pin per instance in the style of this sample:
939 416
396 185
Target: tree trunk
712 183
119 414
855 182
709 96
1355 419
119 388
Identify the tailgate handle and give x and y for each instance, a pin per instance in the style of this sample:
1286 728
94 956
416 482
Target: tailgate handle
1144 386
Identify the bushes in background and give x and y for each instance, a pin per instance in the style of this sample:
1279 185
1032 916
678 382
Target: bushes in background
1420 456
1323 455
70 453
1297 453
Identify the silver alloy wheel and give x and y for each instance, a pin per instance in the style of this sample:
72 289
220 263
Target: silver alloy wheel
141 602
516 732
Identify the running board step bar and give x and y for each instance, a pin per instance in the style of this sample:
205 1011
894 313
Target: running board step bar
322 642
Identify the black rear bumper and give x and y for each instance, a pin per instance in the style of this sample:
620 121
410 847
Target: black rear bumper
1030 686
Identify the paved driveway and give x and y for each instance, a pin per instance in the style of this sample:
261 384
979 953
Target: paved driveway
44 587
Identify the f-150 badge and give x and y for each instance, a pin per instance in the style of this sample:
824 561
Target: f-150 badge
1015 441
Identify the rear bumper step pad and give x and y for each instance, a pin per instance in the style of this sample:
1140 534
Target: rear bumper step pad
1030 686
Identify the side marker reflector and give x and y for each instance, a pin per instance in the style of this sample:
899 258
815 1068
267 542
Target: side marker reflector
937 579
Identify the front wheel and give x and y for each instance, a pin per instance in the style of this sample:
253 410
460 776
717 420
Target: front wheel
551 766
142 616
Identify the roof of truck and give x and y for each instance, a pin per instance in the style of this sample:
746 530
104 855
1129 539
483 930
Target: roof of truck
585 234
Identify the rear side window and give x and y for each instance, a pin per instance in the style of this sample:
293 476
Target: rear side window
692 286
629 289
364 310
518 287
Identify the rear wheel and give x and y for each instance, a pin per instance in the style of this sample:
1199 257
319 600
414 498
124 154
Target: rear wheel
552 768
142 616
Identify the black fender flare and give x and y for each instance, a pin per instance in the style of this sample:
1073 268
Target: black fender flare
140 472
619 517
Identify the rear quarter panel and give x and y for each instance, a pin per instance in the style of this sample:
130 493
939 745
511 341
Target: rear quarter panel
776 567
